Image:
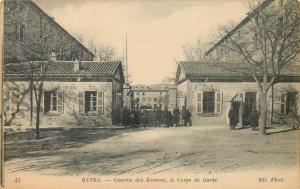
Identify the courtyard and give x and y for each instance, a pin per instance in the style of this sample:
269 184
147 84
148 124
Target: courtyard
150 151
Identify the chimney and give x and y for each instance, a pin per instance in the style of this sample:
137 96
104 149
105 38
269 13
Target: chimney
76 65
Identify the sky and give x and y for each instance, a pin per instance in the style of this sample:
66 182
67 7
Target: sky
156 29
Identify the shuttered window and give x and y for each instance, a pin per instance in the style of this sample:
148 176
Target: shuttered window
218 103
100 102
283 103
91 102
288 103
60 101
53 101
209 102
81 102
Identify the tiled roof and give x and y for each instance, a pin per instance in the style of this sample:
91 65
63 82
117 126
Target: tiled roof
200 69
67 68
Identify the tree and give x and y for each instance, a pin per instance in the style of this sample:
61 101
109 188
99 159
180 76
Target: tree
104 52
195 52
265 46
42 41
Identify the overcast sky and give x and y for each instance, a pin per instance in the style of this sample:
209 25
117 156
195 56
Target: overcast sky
156 30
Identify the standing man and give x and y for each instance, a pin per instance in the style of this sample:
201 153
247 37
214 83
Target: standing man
176 114
188 119
232 116
254 116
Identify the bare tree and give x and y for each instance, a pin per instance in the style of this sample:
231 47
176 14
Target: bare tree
104 52
265 46
43 43
195 52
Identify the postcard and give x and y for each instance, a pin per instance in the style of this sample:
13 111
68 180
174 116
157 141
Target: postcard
150 94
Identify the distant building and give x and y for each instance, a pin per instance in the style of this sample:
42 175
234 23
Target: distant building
30 35
154 96
74 93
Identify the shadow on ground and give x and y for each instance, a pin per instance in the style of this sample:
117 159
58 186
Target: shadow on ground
24 144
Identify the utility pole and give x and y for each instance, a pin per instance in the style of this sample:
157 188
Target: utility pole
126 65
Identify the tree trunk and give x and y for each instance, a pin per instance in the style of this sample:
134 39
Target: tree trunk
37 123
272 105
31 103
263 112
38 107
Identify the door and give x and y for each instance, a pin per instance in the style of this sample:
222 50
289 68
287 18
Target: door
250 105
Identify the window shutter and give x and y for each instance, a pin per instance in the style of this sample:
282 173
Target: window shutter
42 102
81 102
200 102
218 103
100 102
283 103
60 101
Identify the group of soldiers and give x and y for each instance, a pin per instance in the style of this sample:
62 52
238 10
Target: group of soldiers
137 116
233 115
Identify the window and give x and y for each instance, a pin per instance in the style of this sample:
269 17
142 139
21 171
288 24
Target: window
149 99
289 103
53 101
21 33
143 99
154 99
143 94
11 103
209 102
137 93
91 102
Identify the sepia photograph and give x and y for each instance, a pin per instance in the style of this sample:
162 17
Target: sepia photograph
150 94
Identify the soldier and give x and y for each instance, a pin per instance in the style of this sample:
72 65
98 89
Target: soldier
232 117
187 118
254 116
158 116
176 114
125 116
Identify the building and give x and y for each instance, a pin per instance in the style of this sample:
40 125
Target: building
154 96
30 35
209 91
74 93
220 52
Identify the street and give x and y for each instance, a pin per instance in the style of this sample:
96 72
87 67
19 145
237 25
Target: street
98 151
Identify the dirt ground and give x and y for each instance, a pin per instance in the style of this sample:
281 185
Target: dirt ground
149 151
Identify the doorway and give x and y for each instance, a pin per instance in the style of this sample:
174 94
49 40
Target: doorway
250 105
